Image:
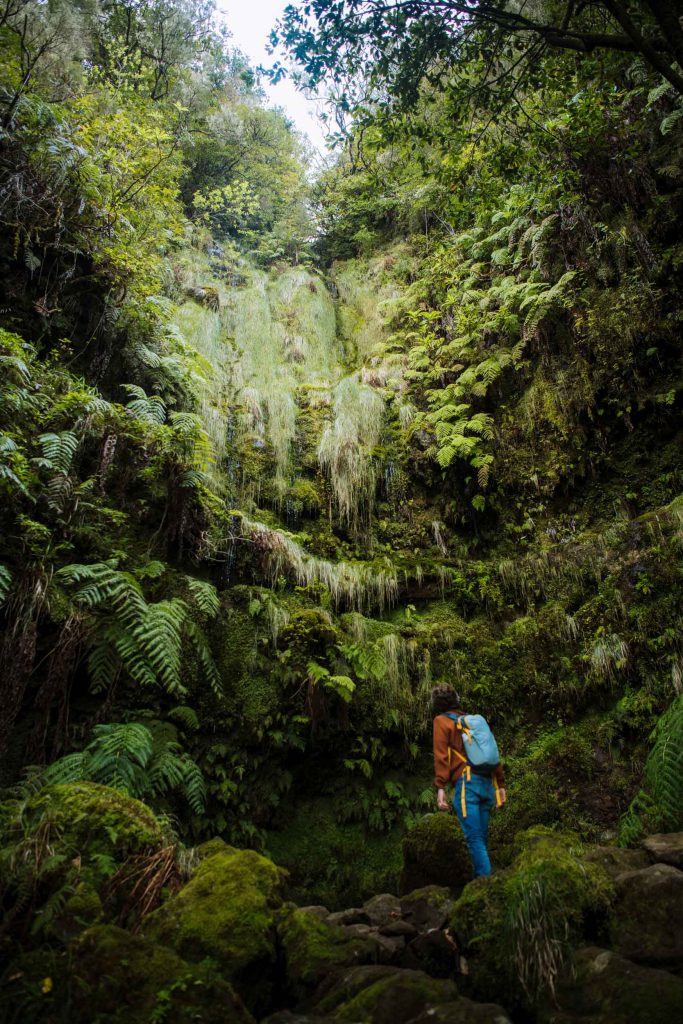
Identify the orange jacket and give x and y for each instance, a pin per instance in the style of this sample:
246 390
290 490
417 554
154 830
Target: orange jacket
448 767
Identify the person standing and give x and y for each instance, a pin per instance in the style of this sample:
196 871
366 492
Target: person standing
476 791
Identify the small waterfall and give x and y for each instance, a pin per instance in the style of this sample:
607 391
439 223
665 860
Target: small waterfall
347 449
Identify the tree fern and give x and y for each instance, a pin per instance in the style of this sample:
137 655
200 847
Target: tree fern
659 804
144 639
143 761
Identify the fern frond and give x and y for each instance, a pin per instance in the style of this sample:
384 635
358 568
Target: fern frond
205 596
186 716
201 645
58 450
5 583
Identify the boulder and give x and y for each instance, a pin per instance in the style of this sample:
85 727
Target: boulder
82 909
464 1011
109 974
382 909
399 927
382 995
433 952
665 848
516 925
312 949
435 853
211 847
316 910
428 908
615 860
391 949
645 924
602 987
354 915
227 913
96 825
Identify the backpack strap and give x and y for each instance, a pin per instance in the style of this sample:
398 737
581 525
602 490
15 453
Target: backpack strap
458 719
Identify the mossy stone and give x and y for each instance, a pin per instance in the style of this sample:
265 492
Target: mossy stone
227 912
81 910
603 987
645 923
119 977
529 915
435 853
96 820
383 995
211 847
312 948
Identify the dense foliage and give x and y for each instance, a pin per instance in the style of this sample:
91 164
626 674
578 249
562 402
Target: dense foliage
275 457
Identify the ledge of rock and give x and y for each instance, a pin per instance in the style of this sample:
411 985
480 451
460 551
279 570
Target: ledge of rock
665 848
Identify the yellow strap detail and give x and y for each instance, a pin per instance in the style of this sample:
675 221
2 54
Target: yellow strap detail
463 804
497 788
452 750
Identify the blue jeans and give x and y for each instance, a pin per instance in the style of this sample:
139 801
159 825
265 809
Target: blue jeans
474 797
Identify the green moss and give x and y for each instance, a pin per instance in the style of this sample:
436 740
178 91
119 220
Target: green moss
435 853
120 977
82 909
95 820
520 924
368 995
338 864
227 912
312 948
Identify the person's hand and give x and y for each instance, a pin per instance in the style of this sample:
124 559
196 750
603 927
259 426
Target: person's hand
502 796
441 801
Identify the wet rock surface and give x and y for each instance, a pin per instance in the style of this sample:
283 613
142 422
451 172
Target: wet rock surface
646 918
605 988
665 848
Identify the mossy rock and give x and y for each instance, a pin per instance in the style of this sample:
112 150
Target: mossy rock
428 908
603 987
119 977
211 847
92 830
113 976
383 995
81 910
435 853
93 820
464 1011
34 989
227 912
338 864
530 915
645 924
312 948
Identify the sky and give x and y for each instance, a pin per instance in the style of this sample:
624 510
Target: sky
250 22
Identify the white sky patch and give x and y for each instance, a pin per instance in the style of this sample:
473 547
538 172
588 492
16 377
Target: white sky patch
250 22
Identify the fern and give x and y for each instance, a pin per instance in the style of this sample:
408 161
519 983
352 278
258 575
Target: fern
5 583
659 804
205 596
145 639
58 451
186 716
150 409
142 761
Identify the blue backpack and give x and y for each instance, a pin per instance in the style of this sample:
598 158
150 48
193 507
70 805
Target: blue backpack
479 743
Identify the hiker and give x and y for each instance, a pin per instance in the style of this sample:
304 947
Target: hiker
479 783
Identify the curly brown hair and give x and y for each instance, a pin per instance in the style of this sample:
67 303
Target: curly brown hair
444 698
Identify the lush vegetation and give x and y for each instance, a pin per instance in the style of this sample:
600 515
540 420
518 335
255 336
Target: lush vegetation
279 452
